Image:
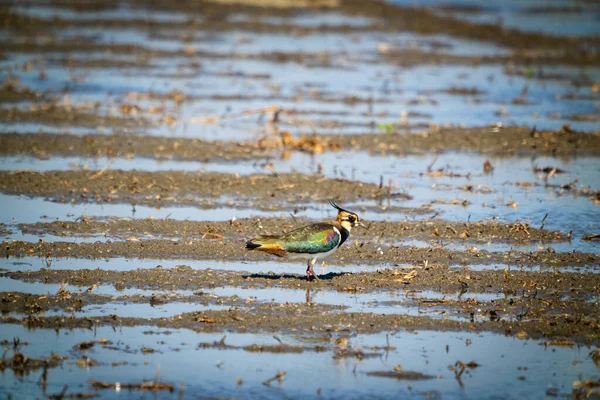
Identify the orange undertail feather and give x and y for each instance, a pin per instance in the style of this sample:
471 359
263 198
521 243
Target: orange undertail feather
271 248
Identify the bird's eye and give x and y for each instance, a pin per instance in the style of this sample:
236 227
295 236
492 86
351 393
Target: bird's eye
351 218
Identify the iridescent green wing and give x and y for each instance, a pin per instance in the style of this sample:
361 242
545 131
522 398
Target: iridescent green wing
315 238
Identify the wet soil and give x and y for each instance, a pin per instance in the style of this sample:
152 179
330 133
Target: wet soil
34 303
122 145
61 116
534 284
376 231
175 187
492 140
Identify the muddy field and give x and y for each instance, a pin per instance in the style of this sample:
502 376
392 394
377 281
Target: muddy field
142 143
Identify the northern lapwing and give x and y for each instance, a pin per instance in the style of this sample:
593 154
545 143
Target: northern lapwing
311 242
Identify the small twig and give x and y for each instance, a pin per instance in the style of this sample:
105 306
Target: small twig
81 217
279 376
61 394
103 170
43 381
434 215
543 220
430 166
460 368
272 170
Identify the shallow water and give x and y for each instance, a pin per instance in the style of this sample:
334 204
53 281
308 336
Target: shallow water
22 209
501 360
130 264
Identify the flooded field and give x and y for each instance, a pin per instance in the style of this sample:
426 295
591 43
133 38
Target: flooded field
143 143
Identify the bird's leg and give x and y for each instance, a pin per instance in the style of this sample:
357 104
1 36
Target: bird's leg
323 268
310 270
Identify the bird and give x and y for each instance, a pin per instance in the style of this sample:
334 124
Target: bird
311 242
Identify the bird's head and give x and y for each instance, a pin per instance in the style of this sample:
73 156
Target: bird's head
346 218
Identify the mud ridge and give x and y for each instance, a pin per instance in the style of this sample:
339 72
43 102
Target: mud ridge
377 231
497 141
549 284
298 318
62 116
175 187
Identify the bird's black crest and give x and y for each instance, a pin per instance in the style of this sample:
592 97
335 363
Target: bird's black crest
332 203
